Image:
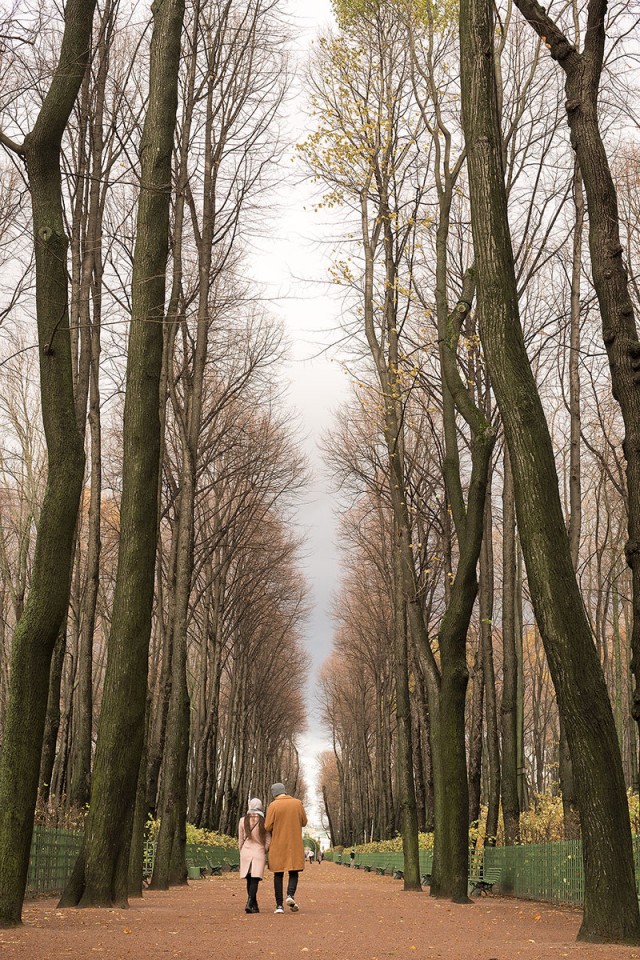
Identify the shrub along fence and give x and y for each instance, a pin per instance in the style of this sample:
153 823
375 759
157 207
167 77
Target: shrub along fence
54 852
547 871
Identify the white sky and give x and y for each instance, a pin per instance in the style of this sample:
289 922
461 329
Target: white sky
292 264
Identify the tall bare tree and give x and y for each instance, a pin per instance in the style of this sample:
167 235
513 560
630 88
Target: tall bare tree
578 679
46 606
101 875
583 71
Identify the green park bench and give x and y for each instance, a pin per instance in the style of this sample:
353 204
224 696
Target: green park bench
484 882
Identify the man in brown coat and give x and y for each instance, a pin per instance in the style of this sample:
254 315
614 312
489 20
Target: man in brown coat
284 821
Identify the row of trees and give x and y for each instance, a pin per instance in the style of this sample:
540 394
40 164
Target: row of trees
481 374
151 597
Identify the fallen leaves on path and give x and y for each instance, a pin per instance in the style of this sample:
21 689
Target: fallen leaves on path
340 917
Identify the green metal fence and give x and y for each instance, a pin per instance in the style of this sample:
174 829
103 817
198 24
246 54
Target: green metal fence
53 854
386 862
551 872
148 859
546 871
202 858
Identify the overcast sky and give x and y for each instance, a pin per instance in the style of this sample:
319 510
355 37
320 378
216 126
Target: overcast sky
292 264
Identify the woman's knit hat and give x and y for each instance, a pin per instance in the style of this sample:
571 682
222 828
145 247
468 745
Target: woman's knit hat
255 806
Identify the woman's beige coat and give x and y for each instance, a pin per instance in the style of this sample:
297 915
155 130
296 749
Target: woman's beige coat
284 820
253 855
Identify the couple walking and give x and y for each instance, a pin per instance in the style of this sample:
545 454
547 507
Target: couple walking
279 834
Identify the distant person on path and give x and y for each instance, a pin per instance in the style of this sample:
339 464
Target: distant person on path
284 821
319 858
253 841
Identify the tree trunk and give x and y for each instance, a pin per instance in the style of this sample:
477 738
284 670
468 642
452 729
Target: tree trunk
610 905
491 707
452 636
52 721
418 761
565 769
91 289
138 833
610 278
509 707
39 626
523 788
162 690
406 796
115 776
80 782
475 736
469 523
332 833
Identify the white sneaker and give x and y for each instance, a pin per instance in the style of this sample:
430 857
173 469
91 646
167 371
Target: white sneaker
292 904
279 909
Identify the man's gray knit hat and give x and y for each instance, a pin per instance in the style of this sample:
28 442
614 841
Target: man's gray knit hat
277 789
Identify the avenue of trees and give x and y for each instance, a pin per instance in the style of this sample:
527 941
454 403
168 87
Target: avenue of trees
480 163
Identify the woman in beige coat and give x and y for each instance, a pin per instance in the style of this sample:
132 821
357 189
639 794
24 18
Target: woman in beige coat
253 841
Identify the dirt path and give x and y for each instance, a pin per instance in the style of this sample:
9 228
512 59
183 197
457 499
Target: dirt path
343 914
